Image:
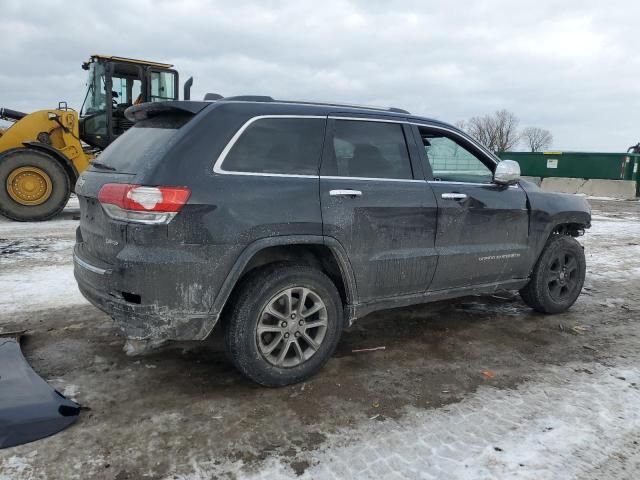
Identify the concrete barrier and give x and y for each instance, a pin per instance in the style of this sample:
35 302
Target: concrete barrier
622 189
536 180
563 185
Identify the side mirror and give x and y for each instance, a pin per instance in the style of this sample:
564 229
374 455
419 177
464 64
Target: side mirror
507 172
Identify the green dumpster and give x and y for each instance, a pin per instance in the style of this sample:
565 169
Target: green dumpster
589 165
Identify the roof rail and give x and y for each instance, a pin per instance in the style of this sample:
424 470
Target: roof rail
251 98
399 110
265 98
352 105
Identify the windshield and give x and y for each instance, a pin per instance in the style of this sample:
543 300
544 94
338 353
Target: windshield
96 98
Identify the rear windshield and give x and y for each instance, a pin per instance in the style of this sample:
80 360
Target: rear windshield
142 144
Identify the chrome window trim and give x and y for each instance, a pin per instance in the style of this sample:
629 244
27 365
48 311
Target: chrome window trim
217 166
408 180
379 120
472 141
474 184
426 125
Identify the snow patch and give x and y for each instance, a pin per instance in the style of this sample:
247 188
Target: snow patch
560 426
17 467
38 288
71 391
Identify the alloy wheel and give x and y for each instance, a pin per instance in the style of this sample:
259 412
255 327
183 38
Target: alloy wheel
562 276
292 327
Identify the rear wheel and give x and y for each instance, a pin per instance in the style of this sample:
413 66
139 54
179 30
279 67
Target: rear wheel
33 185
284 324
557 278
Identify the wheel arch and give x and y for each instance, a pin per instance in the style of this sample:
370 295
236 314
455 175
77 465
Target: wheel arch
318 251
570 223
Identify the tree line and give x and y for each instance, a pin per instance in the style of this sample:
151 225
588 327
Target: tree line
499 132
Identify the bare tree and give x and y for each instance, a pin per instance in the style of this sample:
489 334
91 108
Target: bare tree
537 139
461 124
483 130
507 136
497 132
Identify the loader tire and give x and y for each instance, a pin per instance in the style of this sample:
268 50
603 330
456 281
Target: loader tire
34 186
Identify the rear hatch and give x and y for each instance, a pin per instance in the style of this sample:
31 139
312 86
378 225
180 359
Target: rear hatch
126 161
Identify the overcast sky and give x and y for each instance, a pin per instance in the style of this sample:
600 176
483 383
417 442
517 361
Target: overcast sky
570 66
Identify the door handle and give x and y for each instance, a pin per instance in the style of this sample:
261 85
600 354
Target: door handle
454 196
345 193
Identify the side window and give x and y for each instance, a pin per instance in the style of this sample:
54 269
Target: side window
450 161
119 90
163 86
278 145
125 90
136 91
368 149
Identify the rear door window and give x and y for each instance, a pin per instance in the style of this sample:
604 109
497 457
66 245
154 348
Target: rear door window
278 145
368 149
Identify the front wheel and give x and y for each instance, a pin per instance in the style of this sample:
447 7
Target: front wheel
558 276
284 324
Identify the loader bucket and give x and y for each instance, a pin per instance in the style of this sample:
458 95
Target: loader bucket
29 408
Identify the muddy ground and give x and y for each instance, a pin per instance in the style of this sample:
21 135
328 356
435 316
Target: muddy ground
184 412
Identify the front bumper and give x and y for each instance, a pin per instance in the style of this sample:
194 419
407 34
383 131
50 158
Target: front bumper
148 301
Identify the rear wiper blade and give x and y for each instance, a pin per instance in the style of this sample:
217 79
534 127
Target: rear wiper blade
102 166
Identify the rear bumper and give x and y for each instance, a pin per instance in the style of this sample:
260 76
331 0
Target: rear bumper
148 301
29 408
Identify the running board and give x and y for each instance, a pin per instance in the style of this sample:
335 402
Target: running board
29 408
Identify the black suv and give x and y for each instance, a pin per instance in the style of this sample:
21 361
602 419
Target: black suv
286 221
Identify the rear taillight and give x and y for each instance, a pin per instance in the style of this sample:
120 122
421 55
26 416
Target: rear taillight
136 203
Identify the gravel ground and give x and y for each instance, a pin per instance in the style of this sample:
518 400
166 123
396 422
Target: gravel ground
481 387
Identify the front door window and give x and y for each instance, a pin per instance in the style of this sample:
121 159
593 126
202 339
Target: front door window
451 162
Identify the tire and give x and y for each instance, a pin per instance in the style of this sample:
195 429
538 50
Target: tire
58 189
558 276
273 285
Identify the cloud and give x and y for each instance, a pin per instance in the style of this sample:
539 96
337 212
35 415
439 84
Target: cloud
571 67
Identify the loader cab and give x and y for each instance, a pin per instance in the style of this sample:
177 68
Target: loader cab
113 85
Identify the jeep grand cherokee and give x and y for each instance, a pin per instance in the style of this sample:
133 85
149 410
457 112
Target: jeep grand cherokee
286 221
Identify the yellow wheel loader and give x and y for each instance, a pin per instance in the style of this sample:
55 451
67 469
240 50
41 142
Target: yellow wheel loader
42 153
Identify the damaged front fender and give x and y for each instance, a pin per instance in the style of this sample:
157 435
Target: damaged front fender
29 408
